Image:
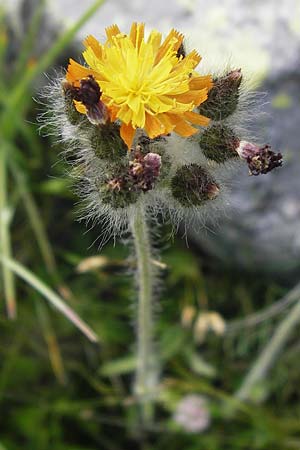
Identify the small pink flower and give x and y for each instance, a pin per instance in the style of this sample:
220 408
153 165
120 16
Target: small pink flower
192 413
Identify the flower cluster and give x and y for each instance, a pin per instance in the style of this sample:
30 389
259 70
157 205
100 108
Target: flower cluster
147 134
147 128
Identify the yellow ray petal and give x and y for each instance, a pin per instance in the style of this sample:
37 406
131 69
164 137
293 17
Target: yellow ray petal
127 133
167 122
154 40
192 97
80 107
195 118
173 41
91 41
194 57
197 83
153 126
113 110
112 31
182 127
199 96
76 72
137 34
91 59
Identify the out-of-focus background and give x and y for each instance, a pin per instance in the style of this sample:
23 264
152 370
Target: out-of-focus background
228 296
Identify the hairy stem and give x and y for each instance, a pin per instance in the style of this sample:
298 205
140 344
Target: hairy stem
270 353
147 367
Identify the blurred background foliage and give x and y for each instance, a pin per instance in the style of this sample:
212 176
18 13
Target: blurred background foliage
60 391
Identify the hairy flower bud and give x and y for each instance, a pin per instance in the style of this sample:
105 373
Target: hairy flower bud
223 98
192 185
157 146
144 170
107 143
118 193
260 160
130 180
152 165
219 143
74 117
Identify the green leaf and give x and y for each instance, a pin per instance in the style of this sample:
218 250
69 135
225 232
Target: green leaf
118 366
49 295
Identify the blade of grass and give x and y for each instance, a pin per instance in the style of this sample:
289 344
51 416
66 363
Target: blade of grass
11 356
269 313
5 238
270 353
28 42
52 343
37 225
49 295
31 137
18 95
5 242
3 45
35 220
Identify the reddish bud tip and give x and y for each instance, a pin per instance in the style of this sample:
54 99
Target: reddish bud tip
260 160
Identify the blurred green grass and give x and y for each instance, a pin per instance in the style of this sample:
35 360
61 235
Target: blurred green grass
60 391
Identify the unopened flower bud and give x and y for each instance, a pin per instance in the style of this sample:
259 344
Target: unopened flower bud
144 170
156 147
223 98
118 193
219 143
107 143
193 185
72 114
212 191
115 184
153 163
260 160
131 178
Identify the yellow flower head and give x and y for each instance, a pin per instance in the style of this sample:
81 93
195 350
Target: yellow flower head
145 84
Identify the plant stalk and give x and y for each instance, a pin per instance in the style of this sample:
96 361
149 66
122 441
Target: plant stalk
146 378
5 238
